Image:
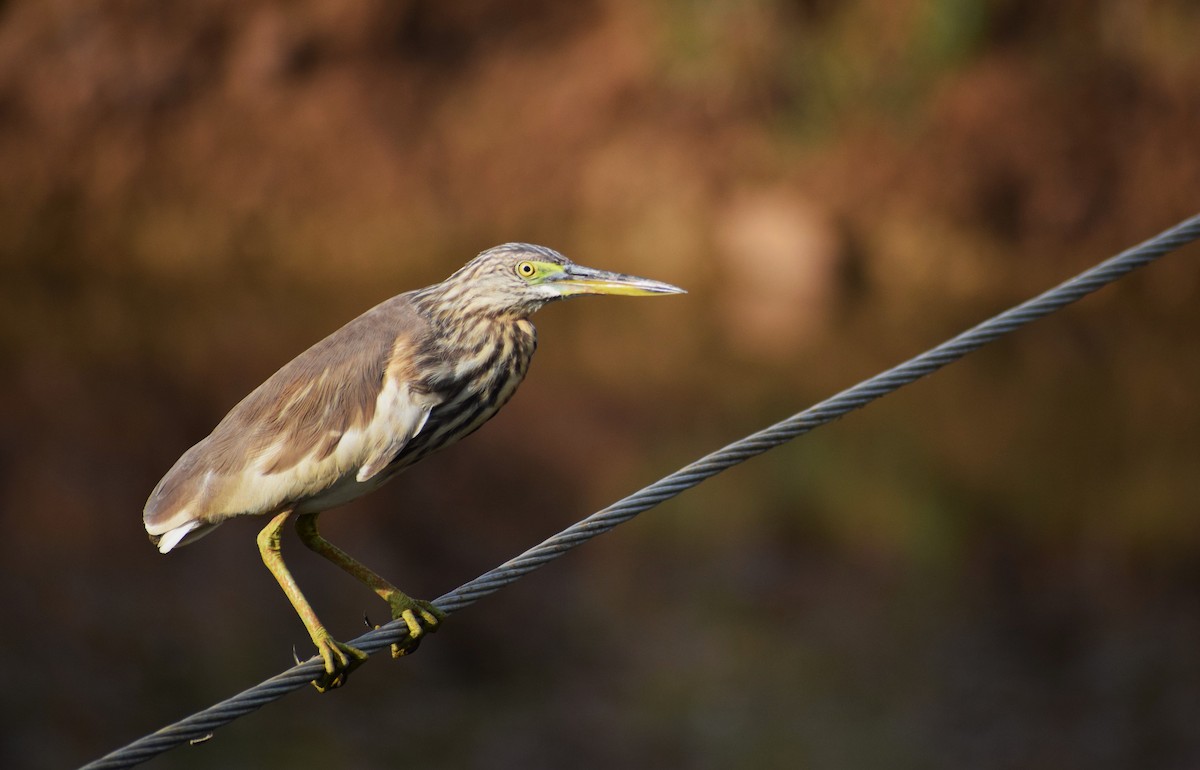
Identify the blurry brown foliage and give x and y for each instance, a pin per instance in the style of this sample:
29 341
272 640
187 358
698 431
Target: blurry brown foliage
994 568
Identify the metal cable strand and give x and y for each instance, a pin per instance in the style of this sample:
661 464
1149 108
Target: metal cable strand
200 725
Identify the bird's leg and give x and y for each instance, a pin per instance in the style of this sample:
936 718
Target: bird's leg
420 616
340 659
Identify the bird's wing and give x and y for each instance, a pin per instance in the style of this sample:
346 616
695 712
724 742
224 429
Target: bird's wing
349 400
343 408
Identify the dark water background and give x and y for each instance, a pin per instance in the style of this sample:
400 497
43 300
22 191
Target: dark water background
995 568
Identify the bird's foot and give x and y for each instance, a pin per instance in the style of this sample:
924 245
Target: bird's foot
420 616
340 659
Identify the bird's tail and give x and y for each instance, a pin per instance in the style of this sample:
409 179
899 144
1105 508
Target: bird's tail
185 533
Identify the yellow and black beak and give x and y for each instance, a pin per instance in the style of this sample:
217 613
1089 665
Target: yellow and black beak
574 280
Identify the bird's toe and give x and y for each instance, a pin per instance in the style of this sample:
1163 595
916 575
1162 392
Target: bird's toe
420 616
340 659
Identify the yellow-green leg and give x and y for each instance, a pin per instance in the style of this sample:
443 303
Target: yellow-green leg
420 616
340 659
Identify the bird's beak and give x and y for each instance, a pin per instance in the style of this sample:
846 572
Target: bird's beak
577 279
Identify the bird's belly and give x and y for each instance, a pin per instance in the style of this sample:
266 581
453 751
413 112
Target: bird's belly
342 491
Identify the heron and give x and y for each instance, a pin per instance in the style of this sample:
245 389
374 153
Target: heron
408 377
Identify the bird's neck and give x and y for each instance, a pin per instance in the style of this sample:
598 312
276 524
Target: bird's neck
473 343
471 336
453 304
458 326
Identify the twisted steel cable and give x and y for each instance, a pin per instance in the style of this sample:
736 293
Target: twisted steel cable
199 726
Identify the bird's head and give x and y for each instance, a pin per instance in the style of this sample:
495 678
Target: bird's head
518 278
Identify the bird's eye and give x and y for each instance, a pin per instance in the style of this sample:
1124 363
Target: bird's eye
526 269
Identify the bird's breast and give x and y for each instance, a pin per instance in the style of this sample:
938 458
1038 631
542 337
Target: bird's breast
474 384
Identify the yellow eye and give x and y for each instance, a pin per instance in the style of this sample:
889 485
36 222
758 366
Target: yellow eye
526 269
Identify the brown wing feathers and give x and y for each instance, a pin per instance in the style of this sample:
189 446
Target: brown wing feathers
300 412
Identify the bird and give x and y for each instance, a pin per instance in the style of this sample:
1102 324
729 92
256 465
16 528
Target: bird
408 377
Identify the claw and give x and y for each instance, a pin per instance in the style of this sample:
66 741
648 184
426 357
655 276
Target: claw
367 622
295 657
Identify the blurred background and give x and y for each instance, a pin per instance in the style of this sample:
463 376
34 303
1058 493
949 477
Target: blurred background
996 567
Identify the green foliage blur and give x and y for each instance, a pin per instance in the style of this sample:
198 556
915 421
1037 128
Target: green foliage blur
994 568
